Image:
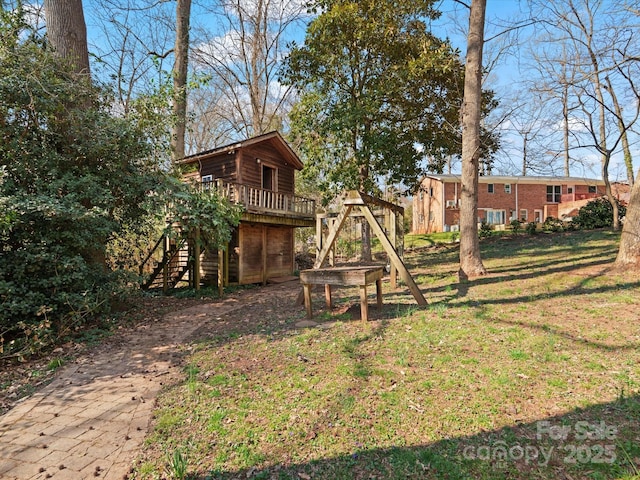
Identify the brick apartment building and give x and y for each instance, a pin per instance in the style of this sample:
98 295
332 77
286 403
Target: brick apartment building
436 206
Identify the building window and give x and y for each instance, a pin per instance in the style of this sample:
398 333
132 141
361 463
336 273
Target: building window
523 214
495 217
507 188
569 190
593 189
490 187
206 181
553 193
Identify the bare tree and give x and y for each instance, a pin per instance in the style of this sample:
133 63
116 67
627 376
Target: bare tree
622 128
207 124
245 59
67 33
595 36
135 39
470 261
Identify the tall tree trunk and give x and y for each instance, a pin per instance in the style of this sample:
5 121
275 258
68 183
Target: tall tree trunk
67 33
365 250
565 127
180 67
257 89
626 149
629 251
525 140
470 261
606 158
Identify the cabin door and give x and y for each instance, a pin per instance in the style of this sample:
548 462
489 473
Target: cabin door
264 252
279 261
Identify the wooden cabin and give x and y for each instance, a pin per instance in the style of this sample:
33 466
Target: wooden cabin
258 173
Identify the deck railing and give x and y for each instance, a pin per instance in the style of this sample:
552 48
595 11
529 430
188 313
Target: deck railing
257 199
572 197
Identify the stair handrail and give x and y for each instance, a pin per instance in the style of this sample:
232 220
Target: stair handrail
151 252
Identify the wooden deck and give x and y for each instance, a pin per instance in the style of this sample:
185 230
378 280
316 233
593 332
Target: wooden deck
265 202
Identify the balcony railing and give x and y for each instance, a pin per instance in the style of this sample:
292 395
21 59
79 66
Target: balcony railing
259 200
571 197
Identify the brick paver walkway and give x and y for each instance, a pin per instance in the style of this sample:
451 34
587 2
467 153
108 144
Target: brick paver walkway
92 419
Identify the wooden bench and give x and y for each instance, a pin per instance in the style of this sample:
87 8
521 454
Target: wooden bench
343 276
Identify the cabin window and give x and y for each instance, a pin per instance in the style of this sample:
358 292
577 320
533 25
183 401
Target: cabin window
490 187
206 181
553 193
268 177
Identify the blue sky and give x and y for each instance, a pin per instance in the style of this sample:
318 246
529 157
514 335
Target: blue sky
505 74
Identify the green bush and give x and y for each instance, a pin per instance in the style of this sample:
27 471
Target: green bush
552 224
516 226
485 230
531 228
73 177
597 213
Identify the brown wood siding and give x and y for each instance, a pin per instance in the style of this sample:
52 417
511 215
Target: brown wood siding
221 167
234 256
251 171
271 157
209 268
286 182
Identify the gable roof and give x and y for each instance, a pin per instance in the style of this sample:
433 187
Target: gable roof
274 138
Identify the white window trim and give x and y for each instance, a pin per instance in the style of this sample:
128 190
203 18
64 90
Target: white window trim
491 211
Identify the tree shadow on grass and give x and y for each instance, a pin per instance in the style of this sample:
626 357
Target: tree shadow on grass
597 442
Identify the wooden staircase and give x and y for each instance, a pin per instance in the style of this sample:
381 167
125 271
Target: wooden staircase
167 263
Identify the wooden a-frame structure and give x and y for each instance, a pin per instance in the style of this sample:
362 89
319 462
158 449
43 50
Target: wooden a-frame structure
354 199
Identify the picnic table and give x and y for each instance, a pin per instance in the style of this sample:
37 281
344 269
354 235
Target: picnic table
360 276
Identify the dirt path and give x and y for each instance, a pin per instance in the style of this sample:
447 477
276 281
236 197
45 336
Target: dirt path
92 419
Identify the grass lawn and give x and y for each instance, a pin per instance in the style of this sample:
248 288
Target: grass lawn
530 372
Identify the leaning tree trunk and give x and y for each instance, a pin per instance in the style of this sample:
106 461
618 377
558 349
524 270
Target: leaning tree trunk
181 52
629 251
470 261
609 192
626 148
67 33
